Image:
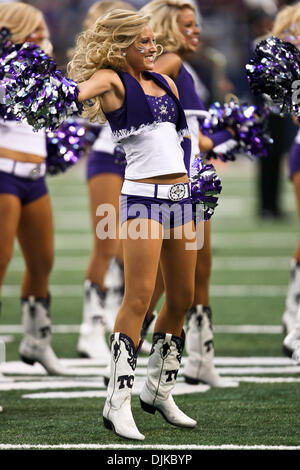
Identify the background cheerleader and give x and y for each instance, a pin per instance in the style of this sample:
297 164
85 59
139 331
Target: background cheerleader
287 27
25 208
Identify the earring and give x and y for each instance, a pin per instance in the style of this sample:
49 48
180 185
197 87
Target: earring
124 54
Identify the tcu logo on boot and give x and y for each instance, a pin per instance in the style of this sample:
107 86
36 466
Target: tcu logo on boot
169 374
125 378
45 331
209 345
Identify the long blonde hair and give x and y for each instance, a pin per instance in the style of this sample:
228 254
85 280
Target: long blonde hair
163 20
22 20
287 23
103 46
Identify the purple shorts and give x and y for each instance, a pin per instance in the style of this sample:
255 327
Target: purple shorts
102 162
26 189
168 213
294 159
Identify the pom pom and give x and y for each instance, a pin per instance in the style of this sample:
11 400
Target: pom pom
205 187
71 141
33 89
249 124
272 72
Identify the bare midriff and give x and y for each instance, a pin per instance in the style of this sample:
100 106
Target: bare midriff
20 156
165 179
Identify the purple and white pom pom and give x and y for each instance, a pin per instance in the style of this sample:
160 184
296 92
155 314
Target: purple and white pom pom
71 141
32 87
205 187
273 70
249 124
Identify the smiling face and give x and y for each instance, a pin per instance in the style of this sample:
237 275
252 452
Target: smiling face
141 54
187 25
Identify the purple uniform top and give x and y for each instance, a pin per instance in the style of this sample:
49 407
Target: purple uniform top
189 98
136 111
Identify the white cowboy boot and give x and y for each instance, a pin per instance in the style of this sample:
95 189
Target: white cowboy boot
291 342
200 350
92 342
117 414
35 346
292 298
163 367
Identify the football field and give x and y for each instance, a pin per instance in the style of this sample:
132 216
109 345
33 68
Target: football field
248 288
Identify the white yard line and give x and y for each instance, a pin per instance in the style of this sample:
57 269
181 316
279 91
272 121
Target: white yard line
220 263
76 290
232 329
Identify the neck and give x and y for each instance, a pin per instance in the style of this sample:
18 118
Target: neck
137 74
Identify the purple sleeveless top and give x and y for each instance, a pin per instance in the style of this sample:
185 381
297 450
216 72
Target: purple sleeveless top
136 111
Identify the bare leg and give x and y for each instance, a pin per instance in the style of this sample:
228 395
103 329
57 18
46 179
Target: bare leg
10 210
141 258
203 269
178 268
35 235
103 189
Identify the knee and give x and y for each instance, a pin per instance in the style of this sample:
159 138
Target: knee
180 304
139 300
105 250
203 269
40 267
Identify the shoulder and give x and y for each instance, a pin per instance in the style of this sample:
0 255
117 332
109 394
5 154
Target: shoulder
168 63
108 74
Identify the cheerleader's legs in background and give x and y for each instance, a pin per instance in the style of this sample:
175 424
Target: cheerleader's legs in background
199 344
291 316
104 188
32 224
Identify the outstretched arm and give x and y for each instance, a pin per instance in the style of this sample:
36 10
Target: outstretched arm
102 82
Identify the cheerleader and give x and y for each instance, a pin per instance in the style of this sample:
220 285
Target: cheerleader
145 115
174 24
105 173
25 208
287 27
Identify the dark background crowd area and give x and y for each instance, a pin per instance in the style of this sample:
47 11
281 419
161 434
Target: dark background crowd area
228 28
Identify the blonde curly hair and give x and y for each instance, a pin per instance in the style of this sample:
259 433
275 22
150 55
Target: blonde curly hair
164 16
22 20
104 46
286 25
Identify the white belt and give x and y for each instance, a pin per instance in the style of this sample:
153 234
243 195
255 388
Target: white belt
175 192
23 169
